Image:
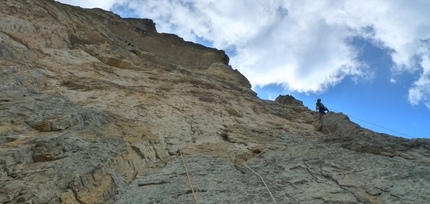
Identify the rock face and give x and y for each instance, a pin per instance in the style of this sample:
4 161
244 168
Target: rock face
99 109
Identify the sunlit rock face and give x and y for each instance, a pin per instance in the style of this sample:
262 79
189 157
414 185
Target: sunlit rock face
99 109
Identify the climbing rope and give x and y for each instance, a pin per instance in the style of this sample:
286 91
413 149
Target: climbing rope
406 135
273 198
262 151
327 129
263 183
188 177
322 124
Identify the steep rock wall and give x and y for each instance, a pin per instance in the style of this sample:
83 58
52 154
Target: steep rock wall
97 109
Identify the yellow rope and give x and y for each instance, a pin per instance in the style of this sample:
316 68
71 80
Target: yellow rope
189 178
263 150
327 129
273 198
322 124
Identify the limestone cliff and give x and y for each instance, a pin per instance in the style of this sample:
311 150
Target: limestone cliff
99 109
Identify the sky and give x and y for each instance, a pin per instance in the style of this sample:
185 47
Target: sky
367 59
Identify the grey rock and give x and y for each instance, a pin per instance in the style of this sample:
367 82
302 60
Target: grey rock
98 109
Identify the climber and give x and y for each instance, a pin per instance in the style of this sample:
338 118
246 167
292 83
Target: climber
320 107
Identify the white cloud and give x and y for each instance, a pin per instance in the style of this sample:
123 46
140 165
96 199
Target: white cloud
420 90
303 45
103 4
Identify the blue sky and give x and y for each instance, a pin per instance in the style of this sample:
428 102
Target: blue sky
367 59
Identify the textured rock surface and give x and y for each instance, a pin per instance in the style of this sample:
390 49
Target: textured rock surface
95 108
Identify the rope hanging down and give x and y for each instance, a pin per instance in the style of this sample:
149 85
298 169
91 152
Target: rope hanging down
273 198
263 183
189 178
322 124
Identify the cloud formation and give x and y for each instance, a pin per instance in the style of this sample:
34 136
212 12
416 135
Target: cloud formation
103 4
303 45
